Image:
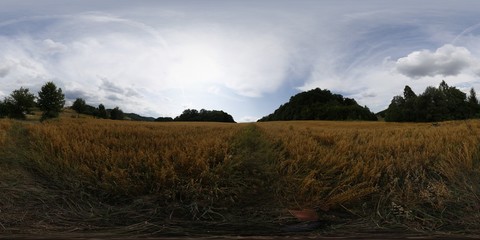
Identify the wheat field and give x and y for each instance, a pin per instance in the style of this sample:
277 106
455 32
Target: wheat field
421 175
4 127
402 171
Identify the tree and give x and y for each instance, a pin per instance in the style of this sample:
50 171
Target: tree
116 114
50 100
192 115
408 93
434 104
472 98
3 109
79 105
19 103
473 104
164 119
189 115
318 104
410 108
395 112
102 112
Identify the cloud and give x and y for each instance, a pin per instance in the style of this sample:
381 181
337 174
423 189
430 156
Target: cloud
447 60
5 68
110 87
52 47
18 61
114 98
74 94
248 119
247 62
369 95
157 57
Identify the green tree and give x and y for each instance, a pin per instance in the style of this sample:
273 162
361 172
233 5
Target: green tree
434 104
116 114
473 104
409 109
395 111
192 115
79 105
189 115
102 112
50 100
19 103
3 109
318 104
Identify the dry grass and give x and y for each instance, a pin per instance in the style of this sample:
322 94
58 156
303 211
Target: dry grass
417 175
131 158
5 125
424 176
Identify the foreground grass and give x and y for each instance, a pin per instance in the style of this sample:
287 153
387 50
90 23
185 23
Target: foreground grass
417 176
172 178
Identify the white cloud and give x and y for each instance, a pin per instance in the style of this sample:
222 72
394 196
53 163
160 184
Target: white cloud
214 90
5 67
162 56
248 119
110 86
447 60
249 63
52 47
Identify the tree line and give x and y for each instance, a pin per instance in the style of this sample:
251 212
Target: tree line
193 115
50 101
188 115
433 105
81 107
318 104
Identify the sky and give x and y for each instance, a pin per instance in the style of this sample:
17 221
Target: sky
158 58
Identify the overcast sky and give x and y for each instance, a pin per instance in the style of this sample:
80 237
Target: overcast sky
157 58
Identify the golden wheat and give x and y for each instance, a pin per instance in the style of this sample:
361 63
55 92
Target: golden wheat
4 127
360 166
131 158
328 164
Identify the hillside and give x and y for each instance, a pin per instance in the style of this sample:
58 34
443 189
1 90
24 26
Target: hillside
318 104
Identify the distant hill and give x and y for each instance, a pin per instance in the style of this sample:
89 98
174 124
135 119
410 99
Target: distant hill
136 117
193 115
318 104
381 115
94 112
164 119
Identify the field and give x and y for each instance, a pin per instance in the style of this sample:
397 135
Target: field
172 178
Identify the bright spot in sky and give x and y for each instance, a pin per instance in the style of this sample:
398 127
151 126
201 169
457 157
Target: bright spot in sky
156 58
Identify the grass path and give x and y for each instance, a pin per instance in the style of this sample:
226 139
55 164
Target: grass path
25 202
31 204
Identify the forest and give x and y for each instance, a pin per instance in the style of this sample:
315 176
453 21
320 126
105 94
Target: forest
318 104
433 105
